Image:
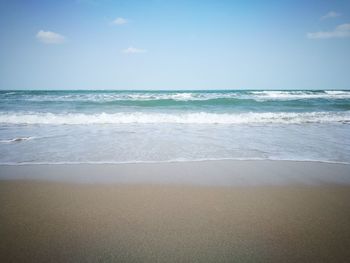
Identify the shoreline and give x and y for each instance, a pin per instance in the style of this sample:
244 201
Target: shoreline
211 173
172 161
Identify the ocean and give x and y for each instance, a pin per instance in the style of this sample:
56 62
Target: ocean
103 126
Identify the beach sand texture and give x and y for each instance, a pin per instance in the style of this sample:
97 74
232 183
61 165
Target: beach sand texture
48 221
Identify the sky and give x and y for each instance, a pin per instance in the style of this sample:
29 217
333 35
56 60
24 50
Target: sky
164 44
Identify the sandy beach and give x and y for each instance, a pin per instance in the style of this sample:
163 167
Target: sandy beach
168 220
174 131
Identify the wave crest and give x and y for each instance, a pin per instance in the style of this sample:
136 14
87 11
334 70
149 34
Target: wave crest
115 96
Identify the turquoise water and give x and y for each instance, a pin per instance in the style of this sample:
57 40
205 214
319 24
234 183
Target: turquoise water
147 126
160 101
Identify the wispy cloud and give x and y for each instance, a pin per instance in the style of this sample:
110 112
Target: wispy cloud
48 37
340 31
120 21
133 50
330 14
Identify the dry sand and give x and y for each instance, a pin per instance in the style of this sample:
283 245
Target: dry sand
47 221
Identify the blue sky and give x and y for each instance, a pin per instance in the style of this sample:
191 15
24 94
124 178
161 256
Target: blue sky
159 44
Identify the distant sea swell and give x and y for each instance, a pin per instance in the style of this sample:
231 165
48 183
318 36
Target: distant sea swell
106 95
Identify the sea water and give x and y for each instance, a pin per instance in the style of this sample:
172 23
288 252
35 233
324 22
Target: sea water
153 126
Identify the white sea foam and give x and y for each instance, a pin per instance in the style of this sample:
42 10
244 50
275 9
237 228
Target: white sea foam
130 96
338 92
185 118
295 95
101 97
17 139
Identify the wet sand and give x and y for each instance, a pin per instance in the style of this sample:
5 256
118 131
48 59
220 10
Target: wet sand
48 220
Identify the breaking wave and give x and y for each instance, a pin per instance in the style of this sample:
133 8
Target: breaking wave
111 96
182 118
